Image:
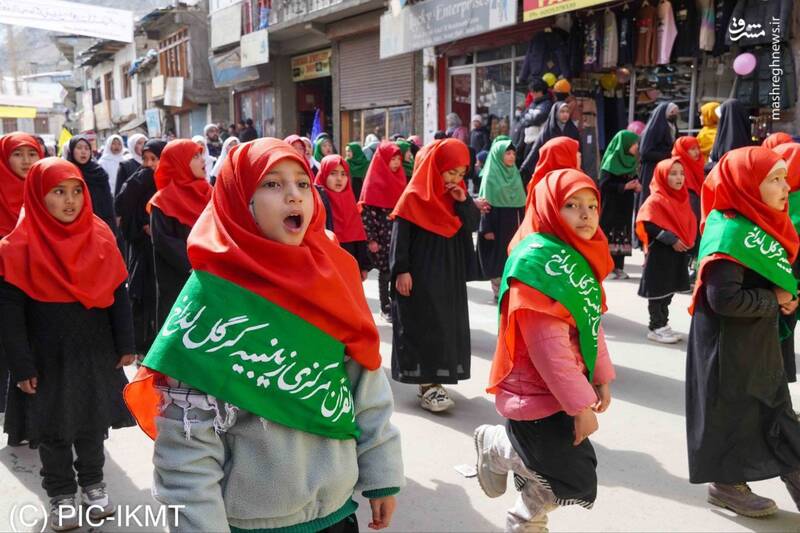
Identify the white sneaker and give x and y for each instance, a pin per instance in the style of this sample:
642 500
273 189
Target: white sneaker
662 335
436 400
620 274
492 482
96 499
675 334
64 513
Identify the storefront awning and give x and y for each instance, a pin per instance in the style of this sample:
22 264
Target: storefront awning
536 9
138 122
17 112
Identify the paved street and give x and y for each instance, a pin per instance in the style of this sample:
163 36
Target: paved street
640 445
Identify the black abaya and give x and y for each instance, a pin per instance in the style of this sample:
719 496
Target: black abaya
616 216
492 254
126 169
655 146
739 418
430 333
171 259
665 271
550 129
733 131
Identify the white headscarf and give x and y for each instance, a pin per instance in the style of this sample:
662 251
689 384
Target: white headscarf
201 140
132 140
229 143
371 138
110 161
313 163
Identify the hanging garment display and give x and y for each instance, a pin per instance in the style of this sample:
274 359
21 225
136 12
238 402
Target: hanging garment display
646 36
666 32
610 40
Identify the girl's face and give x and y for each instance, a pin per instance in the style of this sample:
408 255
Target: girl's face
509 158
408 156
694 152
326 148
65 201
82 152
300 147
395 163
774 189
634 149
563 114
149 160
116 146
22 159
676 176
348 153
139 146
337 179
581 212
454 175
283 203
198 165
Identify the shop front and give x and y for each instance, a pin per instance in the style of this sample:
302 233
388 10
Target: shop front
311 74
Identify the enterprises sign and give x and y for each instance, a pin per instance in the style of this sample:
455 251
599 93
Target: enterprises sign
311 66
537 9
434 22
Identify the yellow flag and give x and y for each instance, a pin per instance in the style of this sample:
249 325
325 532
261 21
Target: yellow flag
63 139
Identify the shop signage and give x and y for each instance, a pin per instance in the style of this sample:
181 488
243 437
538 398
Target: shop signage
537 9
226 26
173 92
153 118
227 71
314 65
69 17
433 22
255 48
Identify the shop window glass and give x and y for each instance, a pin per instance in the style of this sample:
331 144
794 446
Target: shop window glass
400 120
375 122
461 96
494 97
355 134
494 54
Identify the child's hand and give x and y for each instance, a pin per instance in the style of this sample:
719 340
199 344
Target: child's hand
585 425
604 398
403 283
791 307
679 246
126 360
373 247
28 386
483 205
488 236
364 275
455 190
783 297
382 511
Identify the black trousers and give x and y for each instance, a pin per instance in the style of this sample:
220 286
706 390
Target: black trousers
348 525
619 261
384 290
58 475
659 312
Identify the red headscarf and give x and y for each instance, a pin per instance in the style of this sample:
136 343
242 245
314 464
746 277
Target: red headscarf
733 185
666 207
55 262
790 152
180 194
776 139
317 281
291 139
555 154
693 168
382 187
347 222
11 185
425 202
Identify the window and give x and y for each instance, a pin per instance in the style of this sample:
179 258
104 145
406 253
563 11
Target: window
97 97
126 80
173 55
41 125
9 125
382 121
108 86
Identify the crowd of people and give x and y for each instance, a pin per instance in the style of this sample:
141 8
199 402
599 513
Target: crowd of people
182 255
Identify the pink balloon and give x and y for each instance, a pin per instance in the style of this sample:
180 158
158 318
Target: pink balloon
744 64
637 127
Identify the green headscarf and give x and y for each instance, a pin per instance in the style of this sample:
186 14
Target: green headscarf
359 162
501 185
408 166
318 155
617 160
501 138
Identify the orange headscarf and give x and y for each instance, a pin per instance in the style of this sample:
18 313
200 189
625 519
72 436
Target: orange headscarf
382 187
180 194
555 154
425 202
666 207
790 152
11 185
347 222
551 194
55 262
734 183
693 168
776 139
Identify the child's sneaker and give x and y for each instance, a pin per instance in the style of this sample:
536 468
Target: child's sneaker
96 499
620 274
64 513
673 333
662 335
436 400
492 483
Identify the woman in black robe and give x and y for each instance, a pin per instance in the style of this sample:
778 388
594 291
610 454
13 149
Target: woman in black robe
79 153
128 166
656 144
734 131
558 125
739 418
429 262
131 206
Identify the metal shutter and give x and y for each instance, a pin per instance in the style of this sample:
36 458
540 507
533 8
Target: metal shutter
366 81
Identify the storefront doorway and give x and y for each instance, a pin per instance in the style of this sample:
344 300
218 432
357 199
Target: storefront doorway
313 95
